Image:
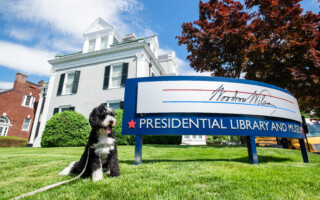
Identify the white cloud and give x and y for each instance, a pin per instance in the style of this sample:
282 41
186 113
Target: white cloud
71 16
24 35
25 59
6 85
65 45
148 32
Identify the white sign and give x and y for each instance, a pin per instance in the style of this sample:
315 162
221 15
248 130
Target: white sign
215 97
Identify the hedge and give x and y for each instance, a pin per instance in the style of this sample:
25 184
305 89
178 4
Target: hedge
122 139
66 129
162 139
9 141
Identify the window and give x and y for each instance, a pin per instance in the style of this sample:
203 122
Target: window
92 44
4 125
68 83
186 137
104 43
115 105
115 75
28 101
62 109
115 41
26 124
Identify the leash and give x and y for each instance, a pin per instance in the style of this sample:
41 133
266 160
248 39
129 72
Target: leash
53 185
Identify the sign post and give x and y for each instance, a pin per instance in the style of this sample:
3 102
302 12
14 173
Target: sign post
209 106
252 150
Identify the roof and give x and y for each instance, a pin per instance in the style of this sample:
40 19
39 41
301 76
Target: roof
32 83
70 54
80 52
5 91
163 57
98 24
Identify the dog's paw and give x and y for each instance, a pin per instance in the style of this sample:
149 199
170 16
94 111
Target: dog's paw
97 175
65 172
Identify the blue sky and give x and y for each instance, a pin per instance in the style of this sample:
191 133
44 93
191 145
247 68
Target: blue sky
34 31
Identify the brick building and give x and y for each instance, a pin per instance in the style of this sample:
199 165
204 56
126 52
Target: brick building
18 106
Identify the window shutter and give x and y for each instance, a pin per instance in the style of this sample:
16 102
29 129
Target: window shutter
55 110
37 130
72 108
60 84
23 99
42 106
75 82
32 101
106 77
124 73
121 104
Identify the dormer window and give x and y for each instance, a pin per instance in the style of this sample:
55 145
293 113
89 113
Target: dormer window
104 43
92 44
115 41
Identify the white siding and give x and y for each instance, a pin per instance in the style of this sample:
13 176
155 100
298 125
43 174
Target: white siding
90 89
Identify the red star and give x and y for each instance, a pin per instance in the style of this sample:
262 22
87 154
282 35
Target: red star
132 124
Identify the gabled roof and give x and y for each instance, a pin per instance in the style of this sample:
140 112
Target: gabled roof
98 25
5 91
154 38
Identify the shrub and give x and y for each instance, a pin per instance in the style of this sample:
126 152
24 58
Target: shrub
162 139
9 141
217 139
122 139
66 129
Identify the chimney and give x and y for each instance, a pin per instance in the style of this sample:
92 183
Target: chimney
20 78
129 37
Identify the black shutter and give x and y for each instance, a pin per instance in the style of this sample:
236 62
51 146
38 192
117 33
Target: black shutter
60 84
121 104
106 77
72 108
42 106
37 130
124 74
55 110
75 82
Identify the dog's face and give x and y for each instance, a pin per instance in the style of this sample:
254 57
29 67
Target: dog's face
102 119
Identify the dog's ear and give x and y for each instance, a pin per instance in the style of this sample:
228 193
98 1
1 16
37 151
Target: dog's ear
94 118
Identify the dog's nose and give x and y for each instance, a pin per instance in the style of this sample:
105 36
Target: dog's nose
111 121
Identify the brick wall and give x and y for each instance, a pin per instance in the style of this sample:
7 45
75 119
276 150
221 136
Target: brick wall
11 104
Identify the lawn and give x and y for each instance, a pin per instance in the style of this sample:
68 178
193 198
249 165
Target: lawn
167 172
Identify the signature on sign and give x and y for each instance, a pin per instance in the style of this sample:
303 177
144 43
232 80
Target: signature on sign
256 97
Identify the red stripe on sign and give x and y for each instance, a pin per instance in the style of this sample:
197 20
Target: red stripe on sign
203 90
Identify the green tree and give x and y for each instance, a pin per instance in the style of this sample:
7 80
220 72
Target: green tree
277 44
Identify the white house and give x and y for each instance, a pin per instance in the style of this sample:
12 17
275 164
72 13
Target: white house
97 74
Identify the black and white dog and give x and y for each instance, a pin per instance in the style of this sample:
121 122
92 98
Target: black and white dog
102 147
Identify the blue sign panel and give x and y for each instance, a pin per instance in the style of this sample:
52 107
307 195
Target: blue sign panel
204 119
208 106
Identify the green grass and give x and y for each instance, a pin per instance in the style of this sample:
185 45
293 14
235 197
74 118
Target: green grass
167 172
